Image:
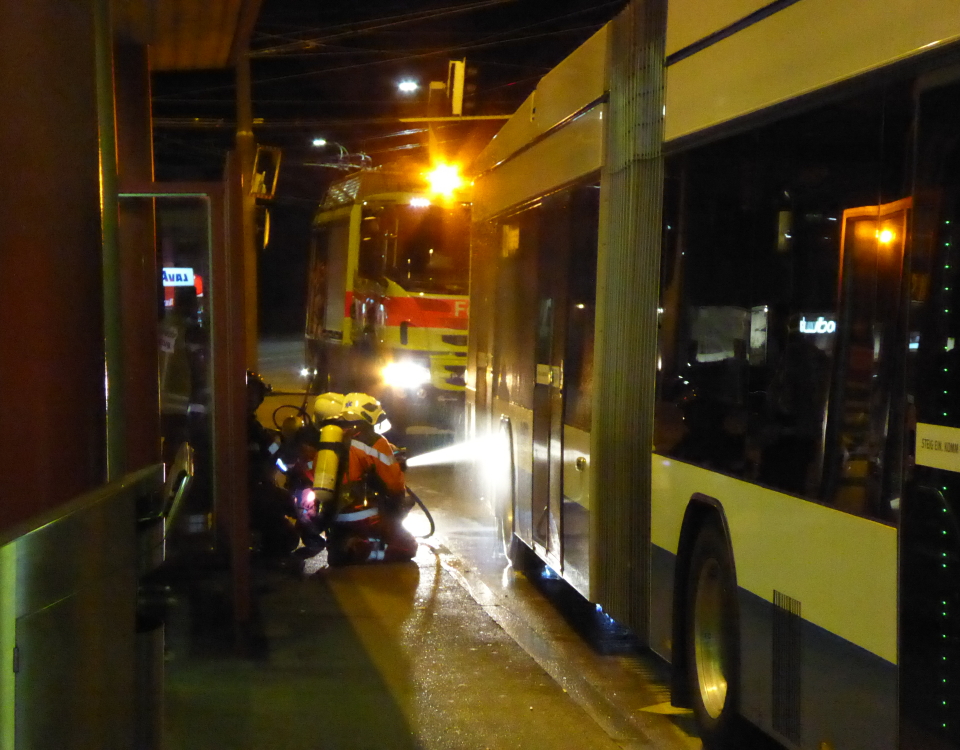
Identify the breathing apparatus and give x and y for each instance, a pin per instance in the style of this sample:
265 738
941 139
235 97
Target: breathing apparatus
337 417
326 466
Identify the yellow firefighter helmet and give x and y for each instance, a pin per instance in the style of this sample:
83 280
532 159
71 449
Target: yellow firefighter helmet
361 406
327 406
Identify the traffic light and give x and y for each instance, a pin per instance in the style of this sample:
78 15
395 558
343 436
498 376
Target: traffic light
462 87
470 75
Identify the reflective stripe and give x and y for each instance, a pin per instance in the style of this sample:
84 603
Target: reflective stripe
371 451
357 515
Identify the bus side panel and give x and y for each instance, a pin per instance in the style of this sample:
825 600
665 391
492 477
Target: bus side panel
572 152
576 508
841 694
689 21
805 550
565 90
817 592
758 66
663 565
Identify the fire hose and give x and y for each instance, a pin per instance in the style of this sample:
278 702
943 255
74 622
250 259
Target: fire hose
433 526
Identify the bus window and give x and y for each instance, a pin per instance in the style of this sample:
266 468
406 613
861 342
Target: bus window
749 296
582 298
515 314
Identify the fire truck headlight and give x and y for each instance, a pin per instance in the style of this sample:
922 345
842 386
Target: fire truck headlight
406 375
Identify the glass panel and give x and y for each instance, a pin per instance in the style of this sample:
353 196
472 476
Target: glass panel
869 349
516 313
750 302
422 248
183 255
581 307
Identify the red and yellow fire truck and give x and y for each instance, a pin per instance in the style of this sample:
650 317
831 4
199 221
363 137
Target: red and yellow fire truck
387 300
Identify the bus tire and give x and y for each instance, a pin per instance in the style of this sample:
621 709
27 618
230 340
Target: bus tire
712 639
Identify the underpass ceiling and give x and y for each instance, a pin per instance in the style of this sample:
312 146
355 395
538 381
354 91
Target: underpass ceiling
187 35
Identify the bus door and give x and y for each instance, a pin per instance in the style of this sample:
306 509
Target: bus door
581 297
872 247
930 515
552 264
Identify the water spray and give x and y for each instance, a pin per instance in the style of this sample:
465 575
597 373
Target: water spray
453 454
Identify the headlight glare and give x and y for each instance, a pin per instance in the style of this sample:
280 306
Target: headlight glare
405 374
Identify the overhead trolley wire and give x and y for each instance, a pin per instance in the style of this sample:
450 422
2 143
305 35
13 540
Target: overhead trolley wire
377 25
399 58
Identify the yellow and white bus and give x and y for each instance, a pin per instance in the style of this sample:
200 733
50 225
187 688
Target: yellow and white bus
387 302
715 329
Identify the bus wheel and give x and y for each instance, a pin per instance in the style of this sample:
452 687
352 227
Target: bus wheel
712 635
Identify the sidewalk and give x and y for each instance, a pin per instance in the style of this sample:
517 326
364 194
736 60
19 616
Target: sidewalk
365 658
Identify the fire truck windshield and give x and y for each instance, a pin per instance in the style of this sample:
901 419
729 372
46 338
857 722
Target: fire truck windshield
422 249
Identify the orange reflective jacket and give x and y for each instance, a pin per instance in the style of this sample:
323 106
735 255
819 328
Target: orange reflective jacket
379 457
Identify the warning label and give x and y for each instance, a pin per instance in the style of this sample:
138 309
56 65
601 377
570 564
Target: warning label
938 446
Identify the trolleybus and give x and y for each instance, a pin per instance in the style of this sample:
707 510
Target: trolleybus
715 332
387 304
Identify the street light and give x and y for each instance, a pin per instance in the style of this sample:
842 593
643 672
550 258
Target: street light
320 142
408 86
344 160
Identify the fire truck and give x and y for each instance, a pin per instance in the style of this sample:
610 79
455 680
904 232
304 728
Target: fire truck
387 298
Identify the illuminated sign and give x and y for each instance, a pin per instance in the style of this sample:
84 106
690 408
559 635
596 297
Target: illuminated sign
821 325
178 277
938 446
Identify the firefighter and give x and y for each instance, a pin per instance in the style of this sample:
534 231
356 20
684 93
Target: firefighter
273 512
364 519
312 454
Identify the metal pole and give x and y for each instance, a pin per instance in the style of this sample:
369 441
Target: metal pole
109 213
246 148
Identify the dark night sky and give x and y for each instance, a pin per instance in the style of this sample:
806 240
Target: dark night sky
330 69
